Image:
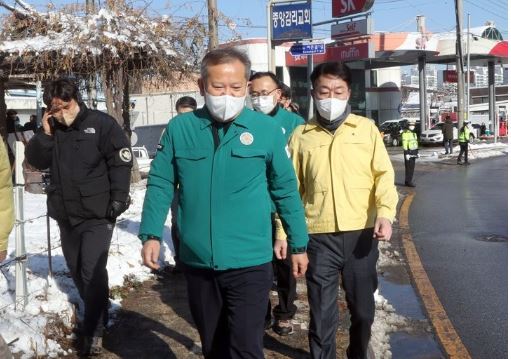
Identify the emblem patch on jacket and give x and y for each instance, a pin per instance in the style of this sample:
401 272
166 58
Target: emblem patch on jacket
125 154
246 138
90 130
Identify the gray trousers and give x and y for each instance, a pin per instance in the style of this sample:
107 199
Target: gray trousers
353 255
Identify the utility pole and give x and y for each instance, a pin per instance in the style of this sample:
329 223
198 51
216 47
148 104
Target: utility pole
459 63
212 25
469 36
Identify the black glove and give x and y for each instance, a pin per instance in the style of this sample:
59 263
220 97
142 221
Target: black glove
116 208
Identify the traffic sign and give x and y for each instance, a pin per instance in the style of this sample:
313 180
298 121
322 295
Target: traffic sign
291 21
307 49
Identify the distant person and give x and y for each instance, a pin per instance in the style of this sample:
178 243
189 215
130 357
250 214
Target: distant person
6 200
447 131
463 139
265 95
31 125
411 151
285 96
482 130
13 122
186 104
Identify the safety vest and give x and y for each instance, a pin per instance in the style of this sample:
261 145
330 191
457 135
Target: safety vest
409 140
464 134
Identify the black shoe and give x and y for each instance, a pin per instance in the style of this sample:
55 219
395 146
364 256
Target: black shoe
409 184
446 153
268 323
460 163
467 163
283 327
90 346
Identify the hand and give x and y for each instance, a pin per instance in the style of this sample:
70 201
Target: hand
300 262
3 255
116 208
382 229
280 249
407 156
150 253
46 123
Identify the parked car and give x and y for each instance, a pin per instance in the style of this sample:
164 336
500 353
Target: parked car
434 134
143 160
391 131
148 136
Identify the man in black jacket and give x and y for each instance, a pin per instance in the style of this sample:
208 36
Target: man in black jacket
90 161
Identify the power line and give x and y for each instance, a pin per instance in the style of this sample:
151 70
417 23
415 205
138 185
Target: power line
488 11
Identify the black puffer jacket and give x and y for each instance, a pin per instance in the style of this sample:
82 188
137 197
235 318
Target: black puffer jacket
90 164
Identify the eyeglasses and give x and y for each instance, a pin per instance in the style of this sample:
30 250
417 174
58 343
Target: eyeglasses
263 93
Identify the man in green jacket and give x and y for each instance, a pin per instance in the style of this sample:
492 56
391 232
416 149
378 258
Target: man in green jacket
265 93
411 151
228 161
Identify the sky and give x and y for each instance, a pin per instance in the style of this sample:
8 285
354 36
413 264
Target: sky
388 15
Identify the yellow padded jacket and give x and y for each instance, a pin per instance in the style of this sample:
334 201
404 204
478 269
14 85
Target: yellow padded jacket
6 197
345 179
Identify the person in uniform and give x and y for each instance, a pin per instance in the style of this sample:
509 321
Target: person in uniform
265 94
228 161
346 182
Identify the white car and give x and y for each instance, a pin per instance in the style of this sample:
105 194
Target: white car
434 134
143 160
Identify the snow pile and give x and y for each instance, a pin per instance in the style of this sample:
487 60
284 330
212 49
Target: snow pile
476 151
51 302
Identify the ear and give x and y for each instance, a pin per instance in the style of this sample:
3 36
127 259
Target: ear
201 84
278 94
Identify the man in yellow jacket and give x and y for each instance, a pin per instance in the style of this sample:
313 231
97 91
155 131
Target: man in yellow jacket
6 200
346 183
411 151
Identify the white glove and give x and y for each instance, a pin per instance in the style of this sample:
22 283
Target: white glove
407 157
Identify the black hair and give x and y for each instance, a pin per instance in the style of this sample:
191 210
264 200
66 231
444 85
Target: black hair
258 75
286 90
337 69
186 101
64 89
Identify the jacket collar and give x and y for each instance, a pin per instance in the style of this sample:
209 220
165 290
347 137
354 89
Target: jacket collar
313 124
206 118
80 117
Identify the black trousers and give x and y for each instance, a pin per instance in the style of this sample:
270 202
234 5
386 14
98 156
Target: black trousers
286 289
353 255
85 249
463 151
286 285
228 308
409 169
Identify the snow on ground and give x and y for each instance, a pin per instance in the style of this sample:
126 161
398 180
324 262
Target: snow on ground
53 300
476 151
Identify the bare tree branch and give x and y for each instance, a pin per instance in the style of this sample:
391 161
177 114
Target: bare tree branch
26 6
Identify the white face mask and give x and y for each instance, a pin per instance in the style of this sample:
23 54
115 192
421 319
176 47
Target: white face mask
330 108
224 108
264 104
411 128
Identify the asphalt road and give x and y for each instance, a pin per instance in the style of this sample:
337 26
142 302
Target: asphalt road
455 212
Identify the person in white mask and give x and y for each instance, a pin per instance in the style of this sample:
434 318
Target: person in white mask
346 182
265 93
227 161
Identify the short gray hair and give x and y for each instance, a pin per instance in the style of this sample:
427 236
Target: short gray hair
223 56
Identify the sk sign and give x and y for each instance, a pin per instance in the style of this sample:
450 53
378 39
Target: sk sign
342 8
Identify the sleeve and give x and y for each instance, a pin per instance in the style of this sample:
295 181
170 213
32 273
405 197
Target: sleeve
386 197
161 184
280 233
283 188
6 197
119 158
39 151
